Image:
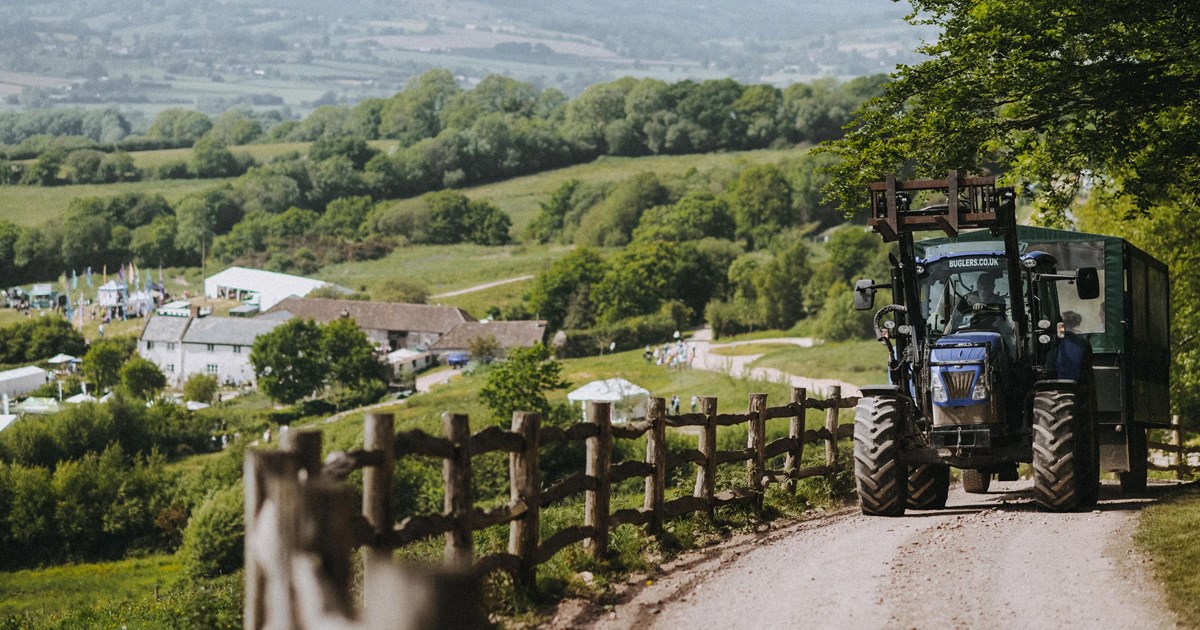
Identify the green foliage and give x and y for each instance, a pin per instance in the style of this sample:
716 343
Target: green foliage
104 359
350 360
560 293
1062 108
142 378
212 542
551 219
401 291
300 357
39 338
697 215
839 321
201 388
634 332
288 361
761 200
179 124
612 221
521 383
1166 533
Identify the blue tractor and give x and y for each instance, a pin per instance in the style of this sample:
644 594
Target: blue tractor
1006 345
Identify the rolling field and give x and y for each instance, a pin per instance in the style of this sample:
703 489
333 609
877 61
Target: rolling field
519 196
34 205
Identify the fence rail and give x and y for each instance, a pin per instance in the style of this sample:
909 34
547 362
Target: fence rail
301 524
1176 449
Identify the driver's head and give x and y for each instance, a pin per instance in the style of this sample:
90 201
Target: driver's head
986 282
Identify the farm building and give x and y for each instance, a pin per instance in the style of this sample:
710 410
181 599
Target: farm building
182 346
392 326
508 335
23 380
264 288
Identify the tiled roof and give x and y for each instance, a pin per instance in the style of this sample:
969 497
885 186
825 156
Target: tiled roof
514 334
230 331
165 328
377 315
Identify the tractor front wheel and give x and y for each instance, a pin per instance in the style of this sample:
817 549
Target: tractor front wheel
879 473
1061 452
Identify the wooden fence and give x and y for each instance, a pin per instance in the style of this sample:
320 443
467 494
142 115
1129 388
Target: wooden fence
301 524
1176 449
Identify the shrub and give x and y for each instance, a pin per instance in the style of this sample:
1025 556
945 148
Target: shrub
201 388
212 543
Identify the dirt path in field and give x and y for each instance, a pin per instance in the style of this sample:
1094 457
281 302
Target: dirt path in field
738 366
480 287
987 561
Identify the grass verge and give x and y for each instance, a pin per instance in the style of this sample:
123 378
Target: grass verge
1167 533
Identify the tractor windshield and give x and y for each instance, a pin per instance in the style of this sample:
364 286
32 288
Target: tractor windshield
966 292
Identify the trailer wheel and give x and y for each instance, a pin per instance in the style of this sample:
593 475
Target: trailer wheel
1059 462
928 486
976 481
879 473
1135 480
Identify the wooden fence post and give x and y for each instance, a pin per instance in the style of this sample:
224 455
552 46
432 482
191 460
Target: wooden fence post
796 433
706 475
831 425
456 475
306 445
656 456
599 461
525 485
1180 453
325 527
379 434
756 436
276 476
254 478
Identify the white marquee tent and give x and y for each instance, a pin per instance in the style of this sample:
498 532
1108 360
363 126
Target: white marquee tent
628 400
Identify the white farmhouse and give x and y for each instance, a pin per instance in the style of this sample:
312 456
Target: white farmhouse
264 288
221 346
162 344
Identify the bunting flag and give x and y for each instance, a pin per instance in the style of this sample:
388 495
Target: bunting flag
121 273
74 280
162 287
104 279
89 277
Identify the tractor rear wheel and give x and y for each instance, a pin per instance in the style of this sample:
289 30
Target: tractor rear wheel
1061 452
976 481
928 486
1135 480
879 473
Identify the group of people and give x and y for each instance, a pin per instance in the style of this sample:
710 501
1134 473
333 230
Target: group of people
674 355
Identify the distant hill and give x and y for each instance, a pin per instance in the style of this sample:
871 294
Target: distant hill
299 54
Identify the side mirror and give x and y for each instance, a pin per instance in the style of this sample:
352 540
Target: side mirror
1087 283
864 294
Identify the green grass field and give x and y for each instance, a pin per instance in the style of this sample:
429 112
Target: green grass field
443 268
519 196
34 205
71 586
858 362
1167 533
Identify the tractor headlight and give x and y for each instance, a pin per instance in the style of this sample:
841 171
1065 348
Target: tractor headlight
939 389
980 391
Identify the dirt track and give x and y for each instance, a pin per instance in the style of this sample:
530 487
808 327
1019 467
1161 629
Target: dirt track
987 561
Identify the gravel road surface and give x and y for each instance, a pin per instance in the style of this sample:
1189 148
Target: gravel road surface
987 561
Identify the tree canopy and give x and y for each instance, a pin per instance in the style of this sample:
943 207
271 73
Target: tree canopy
1060 94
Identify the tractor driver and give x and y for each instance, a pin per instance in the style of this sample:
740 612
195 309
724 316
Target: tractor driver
985 306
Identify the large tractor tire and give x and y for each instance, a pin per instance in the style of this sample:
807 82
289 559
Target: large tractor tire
1061 452
928 486
976 481
1134 481
879 473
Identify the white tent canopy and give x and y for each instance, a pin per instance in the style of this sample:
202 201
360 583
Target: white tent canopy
628 399
62 358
